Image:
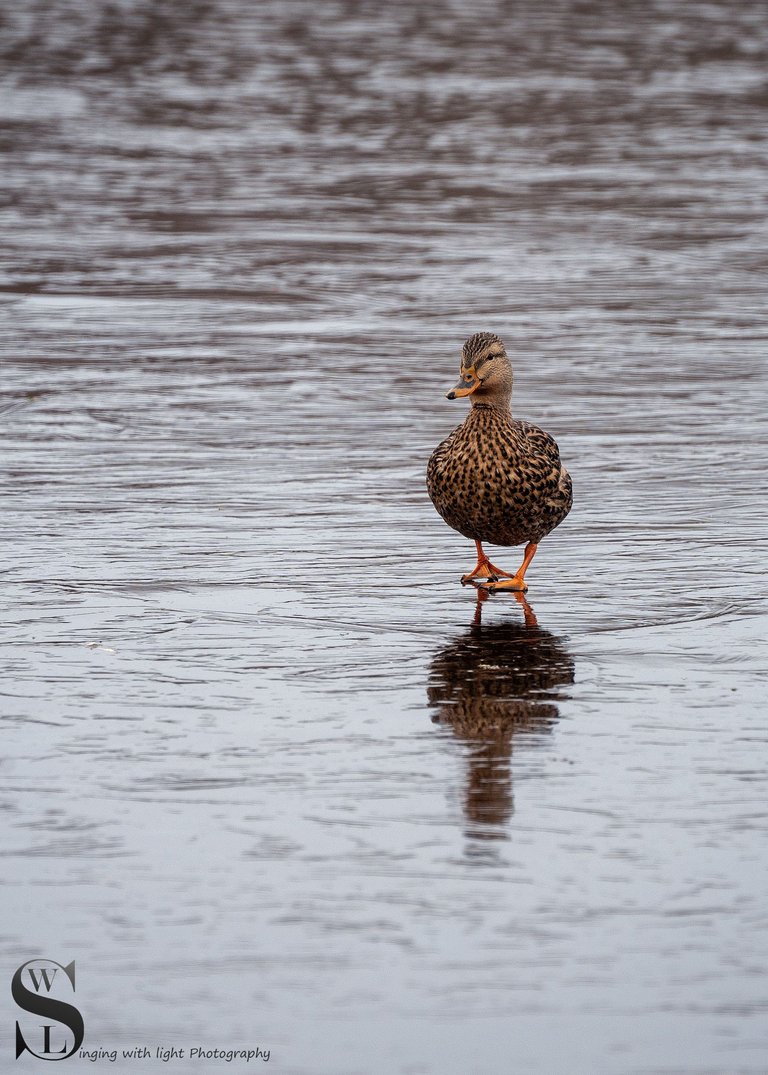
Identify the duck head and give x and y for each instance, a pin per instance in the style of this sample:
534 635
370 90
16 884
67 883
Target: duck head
486 372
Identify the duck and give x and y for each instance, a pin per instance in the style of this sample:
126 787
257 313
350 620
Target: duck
496 479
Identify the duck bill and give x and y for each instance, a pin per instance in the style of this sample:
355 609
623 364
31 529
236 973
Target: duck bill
468 383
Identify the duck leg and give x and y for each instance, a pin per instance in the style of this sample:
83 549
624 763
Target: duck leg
484 569
513 582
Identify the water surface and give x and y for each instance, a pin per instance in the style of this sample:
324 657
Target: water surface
269 774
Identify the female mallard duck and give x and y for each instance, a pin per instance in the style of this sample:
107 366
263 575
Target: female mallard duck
495 479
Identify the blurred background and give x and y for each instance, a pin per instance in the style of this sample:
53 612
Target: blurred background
270 775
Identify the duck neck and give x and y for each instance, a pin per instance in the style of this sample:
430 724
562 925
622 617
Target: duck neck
495 401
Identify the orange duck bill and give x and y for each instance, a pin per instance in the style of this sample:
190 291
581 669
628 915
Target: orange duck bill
468 383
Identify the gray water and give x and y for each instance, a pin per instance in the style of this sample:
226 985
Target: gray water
269 775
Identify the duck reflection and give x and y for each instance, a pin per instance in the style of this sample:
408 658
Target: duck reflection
492 684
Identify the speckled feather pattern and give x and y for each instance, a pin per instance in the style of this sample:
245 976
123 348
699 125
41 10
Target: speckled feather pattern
475 346
499 480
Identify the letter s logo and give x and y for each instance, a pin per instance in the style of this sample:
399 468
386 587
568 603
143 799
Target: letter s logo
48 1007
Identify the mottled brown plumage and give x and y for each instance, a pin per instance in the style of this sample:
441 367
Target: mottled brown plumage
496 479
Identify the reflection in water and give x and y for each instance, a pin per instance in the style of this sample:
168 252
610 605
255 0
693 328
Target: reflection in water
491 684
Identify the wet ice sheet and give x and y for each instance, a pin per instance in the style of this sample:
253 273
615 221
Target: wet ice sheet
264 775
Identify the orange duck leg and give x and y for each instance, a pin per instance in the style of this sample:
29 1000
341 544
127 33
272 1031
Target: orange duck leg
484 569
514 582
